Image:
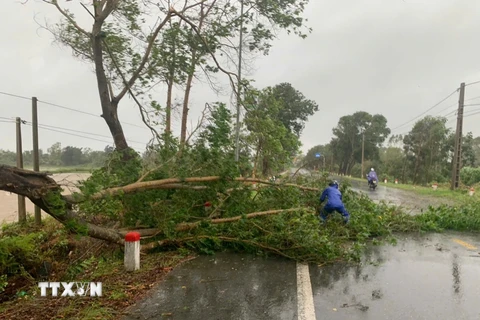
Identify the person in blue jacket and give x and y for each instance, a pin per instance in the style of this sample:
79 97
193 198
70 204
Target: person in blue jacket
334 202
372 175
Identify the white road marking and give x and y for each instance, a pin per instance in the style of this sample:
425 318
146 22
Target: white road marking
306 308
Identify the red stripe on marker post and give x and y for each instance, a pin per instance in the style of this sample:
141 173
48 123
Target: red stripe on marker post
132 237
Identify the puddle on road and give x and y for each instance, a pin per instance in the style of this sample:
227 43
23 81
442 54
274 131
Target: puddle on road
413 280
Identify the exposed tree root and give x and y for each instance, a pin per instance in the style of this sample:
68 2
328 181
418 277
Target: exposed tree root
39 187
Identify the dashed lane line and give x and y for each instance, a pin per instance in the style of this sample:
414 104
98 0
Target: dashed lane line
465 244
306 307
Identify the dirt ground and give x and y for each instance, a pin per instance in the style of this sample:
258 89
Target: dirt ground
9 201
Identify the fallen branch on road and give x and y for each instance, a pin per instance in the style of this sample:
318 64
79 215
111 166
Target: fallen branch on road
170 182
179 242
186 226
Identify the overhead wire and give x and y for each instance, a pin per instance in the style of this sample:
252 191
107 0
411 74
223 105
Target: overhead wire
15 95
72 134
472 83
65 108
84 132
431 108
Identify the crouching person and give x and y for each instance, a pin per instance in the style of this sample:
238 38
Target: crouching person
334 203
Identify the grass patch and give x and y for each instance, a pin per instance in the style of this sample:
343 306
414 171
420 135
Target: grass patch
71 258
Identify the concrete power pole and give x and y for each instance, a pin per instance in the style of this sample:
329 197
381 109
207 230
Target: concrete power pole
36 158
22 211
457 155
240 48
363 150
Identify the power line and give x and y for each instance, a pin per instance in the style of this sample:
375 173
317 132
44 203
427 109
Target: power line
434 106
15 95
84 132
472 114
450 106
471 83
72 134
45 126
84 112
65 108
472 98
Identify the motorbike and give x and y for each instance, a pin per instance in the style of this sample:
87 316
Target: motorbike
372 184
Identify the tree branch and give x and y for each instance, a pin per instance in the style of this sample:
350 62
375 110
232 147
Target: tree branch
140 107
194 27
158 184
199 124
145 57
65 14
227 239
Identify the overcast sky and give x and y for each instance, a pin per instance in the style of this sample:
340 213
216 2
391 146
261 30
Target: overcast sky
395 57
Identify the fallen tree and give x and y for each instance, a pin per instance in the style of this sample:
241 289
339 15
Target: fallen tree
44 192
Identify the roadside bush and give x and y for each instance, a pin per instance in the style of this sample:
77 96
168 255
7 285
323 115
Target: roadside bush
470 176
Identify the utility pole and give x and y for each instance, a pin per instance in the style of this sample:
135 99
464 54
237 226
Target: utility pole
331 163
363 149
22 210
36 158
240 49
457 155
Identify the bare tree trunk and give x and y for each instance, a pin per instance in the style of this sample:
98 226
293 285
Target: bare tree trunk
255 163
417 160
265 167
170 83
109 105
168 110
186 98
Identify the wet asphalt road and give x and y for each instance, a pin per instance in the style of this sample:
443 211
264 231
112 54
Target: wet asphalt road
430 277
412 202
224 286
422 277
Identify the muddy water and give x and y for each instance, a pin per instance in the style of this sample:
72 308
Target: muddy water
9 201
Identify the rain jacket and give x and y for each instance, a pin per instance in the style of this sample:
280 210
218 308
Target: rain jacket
372 175
334 197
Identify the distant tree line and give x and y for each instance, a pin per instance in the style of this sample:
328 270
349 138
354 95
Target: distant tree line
58 156
421 156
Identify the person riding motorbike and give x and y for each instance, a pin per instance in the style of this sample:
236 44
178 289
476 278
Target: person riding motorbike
334 203
372 176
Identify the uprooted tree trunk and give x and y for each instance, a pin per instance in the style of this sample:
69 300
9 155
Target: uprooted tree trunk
44 192
39 188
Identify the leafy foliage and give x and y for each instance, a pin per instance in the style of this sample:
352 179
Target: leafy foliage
470 176
347 141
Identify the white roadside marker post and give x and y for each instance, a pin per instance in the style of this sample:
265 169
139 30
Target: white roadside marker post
132 251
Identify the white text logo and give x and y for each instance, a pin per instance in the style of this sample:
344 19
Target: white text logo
71 289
